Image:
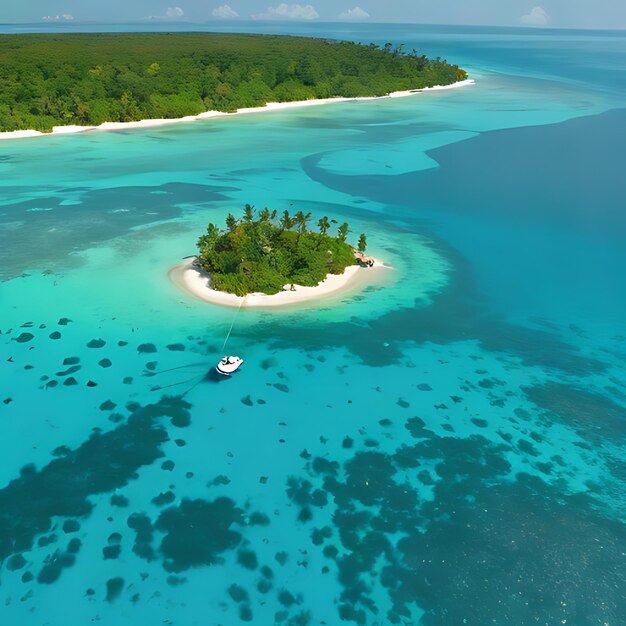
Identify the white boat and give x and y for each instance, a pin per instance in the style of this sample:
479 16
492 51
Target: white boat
229 365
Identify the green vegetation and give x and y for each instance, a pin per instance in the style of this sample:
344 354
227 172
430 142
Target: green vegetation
263 253
48 79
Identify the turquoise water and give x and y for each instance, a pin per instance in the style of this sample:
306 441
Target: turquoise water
446 448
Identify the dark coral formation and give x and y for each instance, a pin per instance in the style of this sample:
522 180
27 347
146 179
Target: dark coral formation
484 547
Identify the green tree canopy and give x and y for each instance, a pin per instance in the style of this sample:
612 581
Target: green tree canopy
262 254
53 79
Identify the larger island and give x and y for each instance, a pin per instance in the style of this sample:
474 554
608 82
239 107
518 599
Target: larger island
85 80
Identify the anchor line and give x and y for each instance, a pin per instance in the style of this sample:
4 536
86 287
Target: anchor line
232 324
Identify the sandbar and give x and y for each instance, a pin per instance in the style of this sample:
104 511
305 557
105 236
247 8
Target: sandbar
194 281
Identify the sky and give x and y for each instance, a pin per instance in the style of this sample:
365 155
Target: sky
538 13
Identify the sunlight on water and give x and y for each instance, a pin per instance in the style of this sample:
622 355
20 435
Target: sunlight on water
443 445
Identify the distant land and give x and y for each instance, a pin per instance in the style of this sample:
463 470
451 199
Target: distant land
49 80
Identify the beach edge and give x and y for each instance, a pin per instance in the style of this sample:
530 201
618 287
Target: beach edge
194 282
270 106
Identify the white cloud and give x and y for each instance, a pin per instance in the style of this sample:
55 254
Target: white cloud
536 17
354 14
289 12
66 17
174 12
171 13
225 12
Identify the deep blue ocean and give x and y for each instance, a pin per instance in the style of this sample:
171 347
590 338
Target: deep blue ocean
446 448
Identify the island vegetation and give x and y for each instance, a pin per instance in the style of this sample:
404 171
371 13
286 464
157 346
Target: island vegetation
49 80
264 253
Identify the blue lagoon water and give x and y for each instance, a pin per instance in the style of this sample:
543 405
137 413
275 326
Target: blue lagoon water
445 448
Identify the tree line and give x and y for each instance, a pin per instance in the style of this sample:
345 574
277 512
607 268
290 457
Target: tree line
87 79
263 252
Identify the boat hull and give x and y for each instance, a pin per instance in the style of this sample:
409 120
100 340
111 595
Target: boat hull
228 369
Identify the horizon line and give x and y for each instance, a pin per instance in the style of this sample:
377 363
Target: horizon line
210 22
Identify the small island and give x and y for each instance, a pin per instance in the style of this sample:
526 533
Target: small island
267 260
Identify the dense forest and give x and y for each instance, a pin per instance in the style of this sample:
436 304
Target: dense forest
262 253
48 80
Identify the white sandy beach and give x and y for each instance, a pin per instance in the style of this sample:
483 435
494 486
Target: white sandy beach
270 106
196 282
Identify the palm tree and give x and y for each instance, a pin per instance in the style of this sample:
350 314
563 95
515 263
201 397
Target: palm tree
212 235
286 223
323 225
301 219
248 214
213 231
264 215
231 223
362 245
206 244
298 219
342 232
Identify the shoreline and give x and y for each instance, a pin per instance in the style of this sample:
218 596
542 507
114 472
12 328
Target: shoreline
194 282
270 106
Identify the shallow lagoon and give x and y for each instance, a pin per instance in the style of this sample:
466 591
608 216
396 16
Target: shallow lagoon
447 448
